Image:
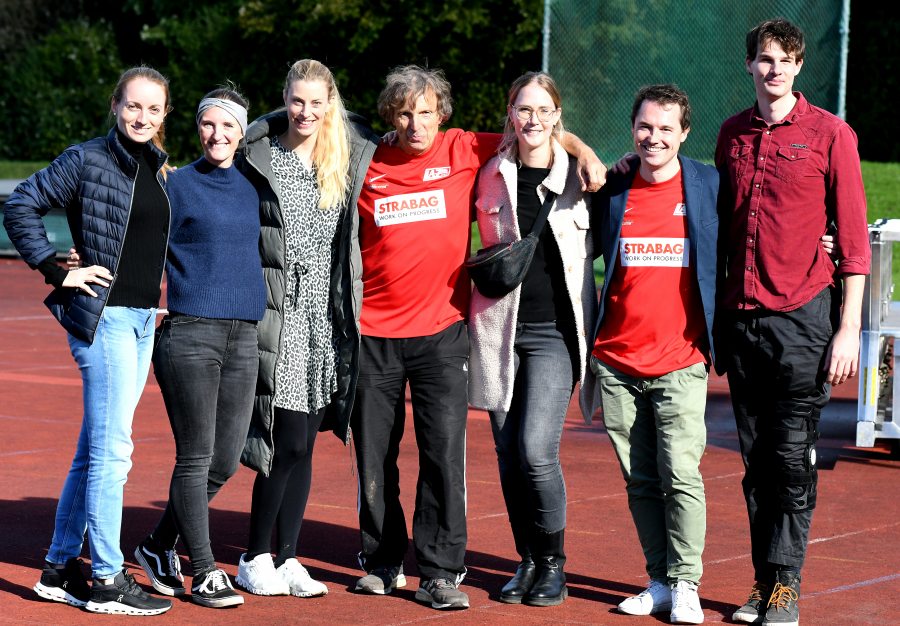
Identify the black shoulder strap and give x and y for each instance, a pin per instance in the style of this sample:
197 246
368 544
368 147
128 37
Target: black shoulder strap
543 215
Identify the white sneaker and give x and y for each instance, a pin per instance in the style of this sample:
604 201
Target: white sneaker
300 582
686 604
258 576
656 598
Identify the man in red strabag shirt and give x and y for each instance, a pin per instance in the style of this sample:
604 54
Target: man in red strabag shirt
794 169
415 214
658 226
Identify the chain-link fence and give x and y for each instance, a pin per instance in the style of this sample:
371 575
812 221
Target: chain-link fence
602 51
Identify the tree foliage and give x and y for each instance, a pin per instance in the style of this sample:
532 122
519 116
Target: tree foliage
60 58
482 46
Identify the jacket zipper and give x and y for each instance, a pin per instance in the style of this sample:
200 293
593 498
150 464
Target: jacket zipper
128 220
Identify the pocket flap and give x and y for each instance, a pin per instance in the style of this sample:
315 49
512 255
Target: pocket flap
793 154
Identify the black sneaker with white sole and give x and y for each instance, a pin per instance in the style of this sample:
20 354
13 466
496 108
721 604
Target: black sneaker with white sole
64 585
163 567
124 597
213 589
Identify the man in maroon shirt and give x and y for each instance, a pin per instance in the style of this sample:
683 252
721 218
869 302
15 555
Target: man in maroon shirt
794 170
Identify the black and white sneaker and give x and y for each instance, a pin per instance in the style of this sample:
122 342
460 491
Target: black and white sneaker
163 567
64 585
213 589
125 597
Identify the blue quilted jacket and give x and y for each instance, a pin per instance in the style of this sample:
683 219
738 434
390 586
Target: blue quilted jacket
94 182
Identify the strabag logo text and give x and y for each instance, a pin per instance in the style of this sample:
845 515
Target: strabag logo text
410 207
433 173
654 252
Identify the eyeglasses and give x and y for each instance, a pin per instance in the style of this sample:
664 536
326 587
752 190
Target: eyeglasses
524 113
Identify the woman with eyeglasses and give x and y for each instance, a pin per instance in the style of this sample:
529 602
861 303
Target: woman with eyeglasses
529 347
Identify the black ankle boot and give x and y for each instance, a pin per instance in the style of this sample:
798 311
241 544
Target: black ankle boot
515 590
550 587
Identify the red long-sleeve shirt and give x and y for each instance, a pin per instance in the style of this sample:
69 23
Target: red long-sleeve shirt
791 179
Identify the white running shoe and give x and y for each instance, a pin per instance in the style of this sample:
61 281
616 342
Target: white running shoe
655 599
686 604
258 576
298 579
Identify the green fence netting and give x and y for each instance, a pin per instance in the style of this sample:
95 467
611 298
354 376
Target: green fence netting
602 51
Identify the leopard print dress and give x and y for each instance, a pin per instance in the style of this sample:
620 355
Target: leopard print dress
306 373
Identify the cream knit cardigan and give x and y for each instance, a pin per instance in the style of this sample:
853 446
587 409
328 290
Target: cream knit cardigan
492 321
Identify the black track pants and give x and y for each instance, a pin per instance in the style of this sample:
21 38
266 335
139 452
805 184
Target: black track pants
777 360
436 368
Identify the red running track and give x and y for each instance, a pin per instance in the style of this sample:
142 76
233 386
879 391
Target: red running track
852 574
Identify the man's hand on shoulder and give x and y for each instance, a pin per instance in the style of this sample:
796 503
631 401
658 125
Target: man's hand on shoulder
591 170
623 165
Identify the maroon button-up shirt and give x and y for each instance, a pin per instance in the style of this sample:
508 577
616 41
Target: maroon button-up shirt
791 179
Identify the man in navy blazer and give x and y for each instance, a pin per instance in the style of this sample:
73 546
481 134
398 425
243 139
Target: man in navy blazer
658 228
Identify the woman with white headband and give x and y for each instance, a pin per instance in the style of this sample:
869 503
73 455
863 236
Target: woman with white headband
206 357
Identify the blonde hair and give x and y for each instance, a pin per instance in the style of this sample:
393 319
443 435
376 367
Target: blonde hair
509 146
331 155
147 73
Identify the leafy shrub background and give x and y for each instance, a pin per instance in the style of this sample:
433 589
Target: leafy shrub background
59 59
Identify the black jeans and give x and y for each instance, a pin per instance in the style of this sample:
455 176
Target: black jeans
776 381
206 369
527 437
436 368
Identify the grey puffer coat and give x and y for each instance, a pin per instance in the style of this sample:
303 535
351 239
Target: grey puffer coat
346 282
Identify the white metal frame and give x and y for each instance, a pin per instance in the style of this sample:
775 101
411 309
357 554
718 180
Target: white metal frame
880 321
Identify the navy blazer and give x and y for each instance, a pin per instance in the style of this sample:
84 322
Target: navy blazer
707 215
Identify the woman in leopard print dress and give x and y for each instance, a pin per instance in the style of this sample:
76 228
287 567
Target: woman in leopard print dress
302 173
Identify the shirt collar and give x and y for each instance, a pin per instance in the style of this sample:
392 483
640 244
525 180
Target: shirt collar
800 107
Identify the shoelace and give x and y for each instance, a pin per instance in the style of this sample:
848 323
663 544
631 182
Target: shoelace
651 587
216 581
782 596
758 591
131 587
174 565
443 583
681 599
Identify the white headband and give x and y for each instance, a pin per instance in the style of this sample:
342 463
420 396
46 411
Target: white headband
237 111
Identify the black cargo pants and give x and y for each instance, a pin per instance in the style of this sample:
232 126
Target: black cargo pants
436 368
778 391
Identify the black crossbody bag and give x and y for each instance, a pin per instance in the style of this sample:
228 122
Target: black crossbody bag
499 269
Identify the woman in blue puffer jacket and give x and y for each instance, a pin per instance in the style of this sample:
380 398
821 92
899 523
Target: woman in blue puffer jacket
113 191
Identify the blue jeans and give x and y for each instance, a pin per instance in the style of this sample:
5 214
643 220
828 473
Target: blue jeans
113 372
527 437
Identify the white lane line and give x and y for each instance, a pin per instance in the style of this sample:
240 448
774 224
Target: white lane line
27 452
864 583
819 540
26 317
37 419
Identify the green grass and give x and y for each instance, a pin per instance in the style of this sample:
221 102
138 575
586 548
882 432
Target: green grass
882 182
20 169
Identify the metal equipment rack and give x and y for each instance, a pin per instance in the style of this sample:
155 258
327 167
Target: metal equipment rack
879 389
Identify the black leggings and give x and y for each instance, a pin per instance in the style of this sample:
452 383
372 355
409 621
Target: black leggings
279 499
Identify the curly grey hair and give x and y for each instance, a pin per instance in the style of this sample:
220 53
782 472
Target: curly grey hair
406 83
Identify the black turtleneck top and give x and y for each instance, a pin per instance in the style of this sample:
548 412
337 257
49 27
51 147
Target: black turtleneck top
137 282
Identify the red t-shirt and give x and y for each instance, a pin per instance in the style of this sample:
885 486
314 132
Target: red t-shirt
415 217
653 322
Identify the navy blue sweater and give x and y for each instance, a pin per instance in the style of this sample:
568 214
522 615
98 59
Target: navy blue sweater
213 266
